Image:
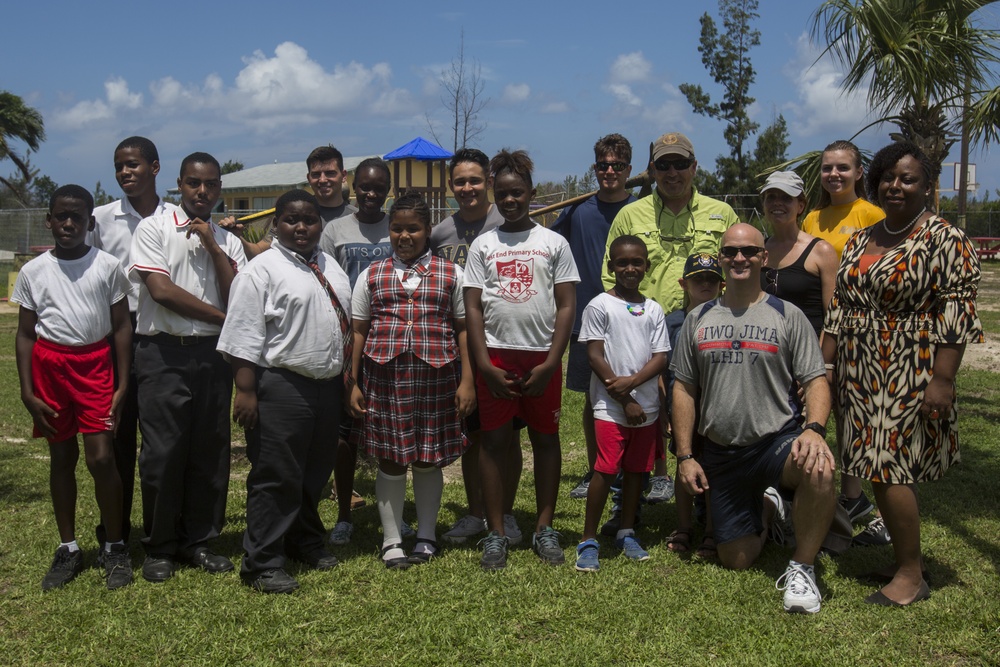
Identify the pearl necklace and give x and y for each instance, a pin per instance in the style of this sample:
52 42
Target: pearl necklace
905 229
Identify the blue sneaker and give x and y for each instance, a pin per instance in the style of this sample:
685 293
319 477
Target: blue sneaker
632 549
586 556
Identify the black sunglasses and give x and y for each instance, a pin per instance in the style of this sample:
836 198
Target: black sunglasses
604 166
664 164
747 251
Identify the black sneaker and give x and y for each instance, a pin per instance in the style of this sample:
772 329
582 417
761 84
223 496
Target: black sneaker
875 534
117 566
857 508
494 551
65 566
545 543
272 581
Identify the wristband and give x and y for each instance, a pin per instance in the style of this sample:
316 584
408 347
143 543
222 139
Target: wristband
817 427
828 367
681 459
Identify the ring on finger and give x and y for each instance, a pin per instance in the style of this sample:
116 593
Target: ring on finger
935 414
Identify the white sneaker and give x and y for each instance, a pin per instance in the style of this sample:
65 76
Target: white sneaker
466 527
781 531
511 529
341 533
801 592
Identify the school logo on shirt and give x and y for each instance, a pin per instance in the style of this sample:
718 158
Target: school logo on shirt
515 280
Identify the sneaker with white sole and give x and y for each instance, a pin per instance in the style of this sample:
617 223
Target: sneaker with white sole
857 508
631 548
581 489
341 533
587 556
661 491
875 534
781 531
466 527
511 529
545 543
801 592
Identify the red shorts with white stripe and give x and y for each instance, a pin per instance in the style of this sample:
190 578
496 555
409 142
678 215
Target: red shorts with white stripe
76 382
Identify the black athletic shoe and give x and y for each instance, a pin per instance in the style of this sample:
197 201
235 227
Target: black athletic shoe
117 566
65 566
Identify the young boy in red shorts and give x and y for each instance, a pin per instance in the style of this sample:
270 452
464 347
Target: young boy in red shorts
520 301
627 345
72 298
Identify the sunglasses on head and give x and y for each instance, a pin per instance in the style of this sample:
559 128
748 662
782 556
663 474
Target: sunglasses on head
604 166
747 251
680 164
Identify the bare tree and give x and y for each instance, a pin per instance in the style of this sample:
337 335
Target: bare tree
463 87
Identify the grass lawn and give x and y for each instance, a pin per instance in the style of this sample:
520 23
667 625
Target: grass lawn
669 610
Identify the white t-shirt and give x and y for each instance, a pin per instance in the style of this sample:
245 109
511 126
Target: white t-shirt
361 300
160 245
517 273
280 316
72 298
116 223
632 333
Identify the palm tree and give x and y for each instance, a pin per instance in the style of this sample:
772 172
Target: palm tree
917 58
18 121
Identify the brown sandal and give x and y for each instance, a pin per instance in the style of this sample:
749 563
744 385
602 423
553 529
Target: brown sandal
679 541
707 549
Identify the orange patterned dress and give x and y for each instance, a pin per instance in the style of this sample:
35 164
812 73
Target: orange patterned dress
888 321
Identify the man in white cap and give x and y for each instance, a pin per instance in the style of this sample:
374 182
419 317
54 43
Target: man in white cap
675 221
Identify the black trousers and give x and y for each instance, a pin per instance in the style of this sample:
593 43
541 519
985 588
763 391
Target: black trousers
185 393
291 451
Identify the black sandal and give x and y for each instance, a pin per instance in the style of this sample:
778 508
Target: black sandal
421 557
400 563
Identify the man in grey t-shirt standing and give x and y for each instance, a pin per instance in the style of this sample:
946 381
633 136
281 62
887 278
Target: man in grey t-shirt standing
742 353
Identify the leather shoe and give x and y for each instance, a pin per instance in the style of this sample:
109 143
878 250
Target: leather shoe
210 561
317 559
272 581
157 569
881 599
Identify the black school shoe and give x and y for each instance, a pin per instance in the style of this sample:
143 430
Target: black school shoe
66 565
273 581
157 568
209 561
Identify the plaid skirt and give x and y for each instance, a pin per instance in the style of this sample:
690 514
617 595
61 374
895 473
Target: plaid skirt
411 414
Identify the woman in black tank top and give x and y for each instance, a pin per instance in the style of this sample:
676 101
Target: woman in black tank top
800 268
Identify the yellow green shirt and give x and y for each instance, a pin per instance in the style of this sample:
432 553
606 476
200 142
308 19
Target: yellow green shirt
836 224
670 239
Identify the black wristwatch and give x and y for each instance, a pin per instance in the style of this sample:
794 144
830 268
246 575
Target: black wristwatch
681 459
816 426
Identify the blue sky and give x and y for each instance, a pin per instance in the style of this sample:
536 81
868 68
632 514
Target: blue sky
267 82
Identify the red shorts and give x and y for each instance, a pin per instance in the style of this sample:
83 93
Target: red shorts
623 448
78 383
538 412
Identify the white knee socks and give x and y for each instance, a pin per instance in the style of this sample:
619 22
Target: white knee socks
427 486
390 492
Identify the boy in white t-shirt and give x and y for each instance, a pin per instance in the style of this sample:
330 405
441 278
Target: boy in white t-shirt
71 299
520 301
627 344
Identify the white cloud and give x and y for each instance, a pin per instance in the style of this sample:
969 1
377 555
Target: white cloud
622 92
555 107
630 67
516 92
267 93
822 108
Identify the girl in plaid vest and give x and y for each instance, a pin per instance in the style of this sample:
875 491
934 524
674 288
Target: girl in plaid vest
411 393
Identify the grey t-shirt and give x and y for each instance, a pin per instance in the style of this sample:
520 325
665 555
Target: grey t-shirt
744 363
451 238
356 244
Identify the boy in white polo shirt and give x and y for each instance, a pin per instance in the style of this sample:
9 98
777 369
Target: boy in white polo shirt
284 336
137 163
186 264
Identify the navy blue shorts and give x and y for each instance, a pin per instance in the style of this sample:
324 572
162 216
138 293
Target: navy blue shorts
578 369
737 477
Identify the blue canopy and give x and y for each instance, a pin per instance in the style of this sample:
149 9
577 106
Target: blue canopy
418 149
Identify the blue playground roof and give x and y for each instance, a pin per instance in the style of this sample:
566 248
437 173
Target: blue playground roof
418 149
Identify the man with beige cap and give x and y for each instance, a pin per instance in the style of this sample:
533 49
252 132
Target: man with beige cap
675 221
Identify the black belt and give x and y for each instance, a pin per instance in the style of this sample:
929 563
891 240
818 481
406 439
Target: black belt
180 341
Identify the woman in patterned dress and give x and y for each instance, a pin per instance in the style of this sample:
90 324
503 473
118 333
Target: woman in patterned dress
904 308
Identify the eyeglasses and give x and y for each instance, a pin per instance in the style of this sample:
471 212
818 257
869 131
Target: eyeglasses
747 251
771 276
604 166
664 164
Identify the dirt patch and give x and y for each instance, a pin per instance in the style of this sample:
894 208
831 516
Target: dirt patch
986 356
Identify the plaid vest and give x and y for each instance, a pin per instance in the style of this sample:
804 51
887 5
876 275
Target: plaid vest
421 323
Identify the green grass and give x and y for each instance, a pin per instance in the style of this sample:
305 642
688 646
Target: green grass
669 610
